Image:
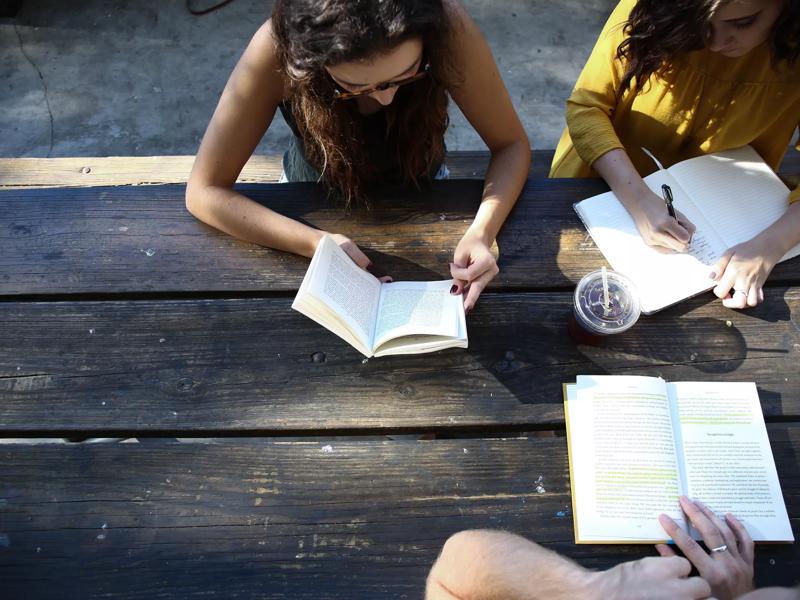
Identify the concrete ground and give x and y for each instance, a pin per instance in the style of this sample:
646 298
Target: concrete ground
126 77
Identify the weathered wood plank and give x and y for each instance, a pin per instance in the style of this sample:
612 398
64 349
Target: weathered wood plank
158 170
142 239
358 519
239 365
119 170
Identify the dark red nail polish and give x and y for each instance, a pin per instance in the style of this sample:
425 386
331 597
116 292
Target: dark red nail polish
369 267
467 310
454 289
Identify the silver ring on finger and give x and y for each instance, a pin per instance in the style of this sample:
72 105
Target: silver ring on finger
722 548
740 292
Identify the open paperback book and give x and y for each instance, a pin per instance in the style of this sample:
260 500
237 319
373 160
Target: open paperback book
637 443
730 196
378 319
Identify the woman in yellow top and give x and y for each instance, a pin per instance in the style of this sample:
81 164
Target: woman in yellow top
685 78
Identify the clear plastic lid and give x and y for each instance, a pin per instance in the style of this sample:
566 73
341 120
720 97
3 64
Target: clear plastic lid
622 310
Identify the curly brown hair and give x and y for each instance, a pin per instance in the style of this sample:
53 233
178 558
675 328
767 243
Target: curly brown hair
313 34
657 32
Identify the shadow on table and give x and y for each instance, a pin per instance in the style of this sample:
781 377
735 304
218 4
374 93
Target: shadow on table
525 351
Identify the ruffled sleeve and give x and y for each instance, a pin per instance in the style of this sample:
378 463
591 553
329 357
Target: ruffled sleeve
594 98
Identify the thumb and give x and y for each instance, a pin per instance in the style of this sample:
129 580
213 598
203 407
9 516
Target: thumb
355 253
719 267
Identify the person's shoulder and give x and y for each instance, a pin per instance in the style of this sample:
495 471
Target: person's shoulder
453 9
264 44
461 27
263 58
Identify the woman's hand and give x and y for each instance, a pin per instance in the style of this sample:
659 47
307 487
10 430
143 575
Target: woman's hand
742 271
655 225
355 253
728 569
648 210
473 267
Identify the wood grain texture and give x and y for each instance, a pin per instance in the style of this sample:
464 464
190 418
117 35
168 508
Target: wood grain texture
258 519
254 365
119 170
142 239
158 170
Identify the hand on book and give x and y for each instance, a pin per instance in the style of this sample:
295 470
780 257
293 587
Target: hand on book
355 253
728 568
473 267
742 272
659 229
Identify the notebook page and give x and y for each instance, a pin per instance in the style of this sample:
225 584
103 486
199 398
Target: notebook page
661 279
623 464
727 458
737 192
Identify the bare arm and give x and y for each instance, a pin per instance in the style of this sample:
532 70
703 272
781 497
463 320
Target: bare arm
495 565
484 100
743 270
245 111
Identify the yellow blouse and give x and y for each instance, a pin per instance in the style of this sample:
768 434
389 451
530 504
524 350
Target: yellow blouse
708 103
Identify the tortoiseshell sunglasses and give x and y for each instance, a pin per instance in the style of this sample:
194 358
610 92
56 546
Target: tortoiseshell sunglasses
343 95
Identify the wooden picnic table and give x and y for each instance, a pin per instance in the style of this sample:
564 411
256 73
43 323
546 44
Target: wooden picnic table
264 457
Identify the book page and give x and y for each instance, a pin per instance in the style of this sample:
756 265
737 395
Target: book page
727 458
736 191
347 289
661 279
622 458
417 308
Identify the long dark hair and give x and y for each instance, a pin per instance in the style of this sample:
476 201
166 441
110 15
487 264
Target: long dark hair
658 31
313 34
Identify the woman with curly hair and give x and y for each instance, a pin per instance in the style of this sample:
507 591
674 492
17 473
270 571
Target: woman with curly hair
685 78
364 86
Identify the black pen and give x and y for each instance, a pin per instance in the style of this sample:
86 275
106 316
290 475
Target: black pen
666 191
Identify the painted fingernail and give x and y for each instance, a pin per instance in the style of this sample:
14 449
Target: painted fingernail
467 310
369 267
712 275
454 289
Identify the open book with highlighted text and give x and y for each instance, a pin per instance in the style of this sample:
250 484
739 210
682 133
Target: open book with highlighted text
638 443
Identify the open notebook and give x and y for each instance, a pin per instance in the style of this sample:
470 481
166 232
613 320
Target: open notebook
730 196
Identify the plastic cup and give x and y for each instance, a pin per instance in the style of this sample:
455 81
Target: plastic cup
591 321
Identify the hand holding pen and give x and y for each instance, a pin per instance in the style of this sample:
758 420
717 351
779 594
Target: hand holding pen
681 221
666 191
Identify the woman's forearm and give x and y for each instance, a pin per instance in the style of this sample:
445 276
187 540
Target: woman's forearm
622 177
247 220
784 234
505 177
